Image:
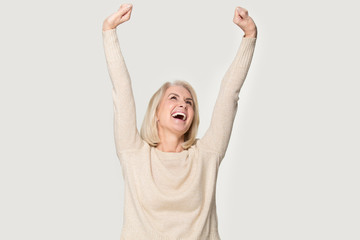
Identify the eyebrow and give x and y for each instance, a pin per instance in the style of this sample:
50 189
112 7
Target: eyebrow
179 96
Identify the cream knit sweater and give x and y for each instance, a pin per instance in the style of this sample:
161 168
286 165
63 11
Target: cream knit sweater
169 195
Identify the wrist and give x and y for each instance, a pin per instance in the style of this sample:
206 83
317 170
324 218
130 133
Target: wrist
105 29
106 26
250 35
251 32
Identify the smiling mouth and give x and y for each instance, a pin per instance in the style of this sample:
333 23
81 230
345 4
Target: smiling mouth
179 115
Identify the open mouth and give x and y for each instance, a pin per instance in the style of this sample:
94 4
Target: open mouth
179 115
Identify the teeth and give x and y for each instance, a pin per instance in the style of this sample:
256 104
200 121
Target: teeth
181 114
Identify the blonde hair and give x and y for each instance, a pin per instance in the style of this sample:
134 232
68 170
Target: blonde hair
149 130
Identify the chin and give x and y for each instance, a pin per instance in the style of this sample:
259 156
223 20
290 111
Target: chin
180 130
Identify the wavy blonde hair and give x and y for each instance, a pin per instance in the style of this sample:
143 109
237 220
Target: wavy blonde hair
149 130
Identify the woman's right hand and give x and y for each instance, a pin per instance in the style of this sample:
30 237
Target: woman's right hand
245 22
122 15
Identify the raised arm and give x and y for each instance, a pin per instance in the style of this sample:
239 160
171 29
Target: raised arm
218 135
125 131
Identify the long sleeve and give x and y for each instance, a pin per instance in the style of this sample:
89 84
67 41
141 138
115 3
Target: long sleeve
126 133
218 134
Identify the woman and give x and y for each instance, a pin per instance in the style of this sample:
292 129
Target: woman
169 175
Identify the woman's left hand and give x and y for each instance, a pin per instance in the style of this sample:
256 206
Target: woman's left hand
245 22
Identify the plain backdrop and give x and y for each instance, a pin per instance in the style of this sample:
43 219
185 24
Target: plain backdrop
292 167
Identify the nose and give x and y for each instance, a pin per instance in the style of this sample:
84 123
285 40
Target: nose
183 105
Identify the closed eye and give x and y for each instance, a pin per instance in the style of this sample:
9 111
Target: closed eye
189 102
173 97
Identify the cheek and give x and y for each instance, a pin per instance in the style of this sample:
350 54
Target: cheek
169 106
192 114
165 109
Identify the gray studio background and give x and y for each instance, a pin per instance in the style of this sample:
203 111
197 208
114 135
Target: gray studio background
292 166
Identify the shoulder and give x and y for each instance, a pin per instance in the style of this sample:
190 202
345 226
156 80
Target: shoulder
134 155
204 151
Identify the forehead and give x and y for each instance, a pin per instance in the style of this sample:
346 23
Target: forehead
180 90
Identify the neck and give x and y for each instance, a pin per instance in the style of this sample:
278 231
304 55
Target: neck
170 142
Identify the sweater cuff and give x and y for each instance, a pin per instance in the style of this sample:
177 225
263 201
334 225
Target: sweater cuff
249 40
111 45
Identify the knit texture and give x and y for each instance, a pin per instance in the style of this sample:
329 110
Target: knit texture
171 195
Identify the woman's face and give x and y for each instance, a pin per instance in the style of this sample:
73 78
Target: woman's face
175 111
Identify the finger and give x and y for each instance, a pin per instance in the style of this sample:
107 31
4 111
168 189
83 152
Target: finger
127 15
236 15
125 5
124 8
242 12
